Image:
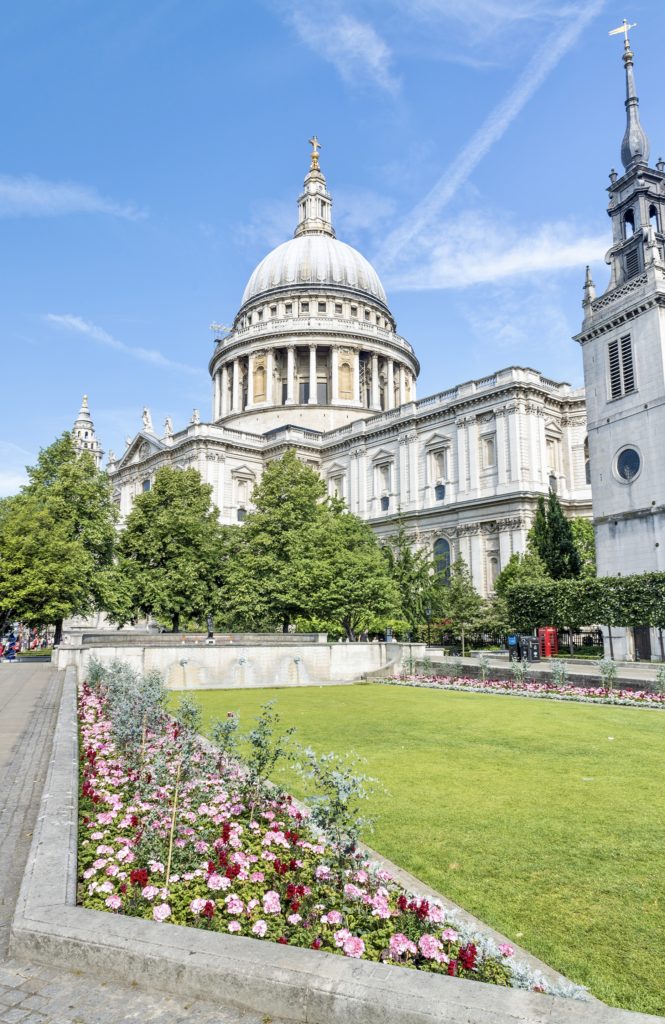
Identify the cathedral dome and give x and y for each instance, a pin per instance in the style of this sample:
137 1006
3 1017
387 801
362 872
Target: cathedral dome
318 260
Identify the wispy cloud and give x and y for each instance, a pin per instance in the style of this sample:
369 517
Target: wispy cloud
270 222
29 196
478 249
78 325
352 46
543 62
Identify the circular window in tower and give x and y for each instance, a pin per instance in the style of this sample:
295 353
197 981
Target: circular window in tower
628 464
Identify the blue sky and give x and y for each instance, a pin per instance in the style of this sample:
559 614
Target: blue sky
152 152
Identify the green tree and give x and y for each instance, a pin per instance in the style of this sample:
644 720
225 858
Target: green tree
585 543
169 561
351 580
57 538
520 568
462 604
271 556
412 569
551 538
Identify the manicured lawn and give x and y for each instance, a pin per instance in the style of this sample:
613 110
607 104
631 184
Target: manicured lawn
546 820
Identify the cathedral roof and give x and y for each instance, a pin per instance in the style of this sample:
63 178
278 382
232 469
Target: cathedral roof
314 256
314 259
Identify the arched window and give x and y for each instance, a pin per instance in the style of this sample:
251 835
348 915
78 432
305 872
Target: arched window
442 559
260 384
653 217
493 570
628 224
346 380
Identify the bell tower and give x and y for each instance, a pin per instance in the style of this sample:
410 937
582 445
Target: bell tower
623 347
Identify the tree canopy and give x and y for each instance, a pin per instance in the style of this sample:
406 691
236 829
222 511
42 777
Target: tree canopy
170 552
551 538
57 538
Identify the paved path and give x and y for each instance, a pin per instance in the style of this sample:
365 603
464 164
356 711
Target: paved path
30 993
631 672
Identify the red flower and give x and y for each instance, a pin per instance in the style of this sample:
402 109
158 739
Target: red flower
467 955
139 876
283 941
316 944
402 903
452 968
209 910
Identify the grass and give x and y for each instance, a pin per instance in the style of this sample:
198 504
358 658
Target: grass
543 819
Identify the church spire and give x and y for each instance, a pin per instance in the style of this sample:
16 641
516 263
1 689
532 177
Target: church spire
83 434
635 144
315 202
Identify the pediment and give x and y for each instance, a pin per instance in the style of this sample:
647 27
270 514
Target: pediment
438 440
244 472
383 455
335 469
142 447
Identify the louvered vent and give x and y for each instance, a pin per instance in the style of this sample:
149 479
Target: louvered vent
627 365
622 371
632 263
615 370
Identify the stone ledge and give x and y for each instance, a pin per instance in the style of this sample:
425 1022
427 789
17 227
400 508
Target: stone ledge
297 985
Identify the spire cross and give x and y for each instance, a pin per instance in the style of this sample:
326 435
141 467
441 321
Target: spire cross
316 146
625 28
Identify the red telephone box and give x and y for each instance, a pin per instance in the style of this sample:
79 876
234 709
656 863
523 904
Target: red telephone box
548 640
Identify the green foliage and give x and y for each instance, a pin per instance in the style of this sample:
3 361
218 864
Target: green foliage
57 538
551 538
462 604
660 679
267 746
608 672
336 807
351 582
518 670
559 673
585 542
413 572
522 569
170 563
224 734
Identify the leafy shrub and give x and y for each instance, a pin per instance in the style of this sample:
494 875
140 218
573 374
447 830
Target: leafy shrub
559 673
608 672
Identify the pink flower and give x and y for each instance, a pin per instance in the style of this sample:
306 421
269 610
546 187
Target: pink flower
323 872
332 917
341 936
449 935
506 949
380 907
429 947
400 944
234 926
197 905
294 919
352 892
256 876
271 904
436 914
114 902
354 947
216 881
149 892
161 912
234 904
260 928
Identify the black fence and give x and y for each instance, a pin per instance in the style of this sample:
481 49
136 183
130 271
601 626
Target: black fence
585 642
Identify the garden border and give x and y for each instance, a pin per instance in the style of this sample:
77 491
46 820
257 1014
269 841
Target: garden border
299 985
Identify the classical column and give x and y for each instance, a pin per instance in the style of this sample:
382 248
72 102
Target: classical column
473 453
500 450
402 384
461 455
270 373
505 548
312 375
250 381
413 387
476 562
224 404
390 385
215 396
376 393
237 392
362 481
413 470
334 373
290 374
356 375
514 446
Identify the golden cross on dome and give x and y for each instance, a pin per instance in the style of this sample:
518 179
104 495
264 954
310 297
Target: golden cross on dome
316 146
625 28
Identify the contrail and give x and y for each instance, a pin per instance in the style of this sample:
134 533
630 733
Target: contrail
539 67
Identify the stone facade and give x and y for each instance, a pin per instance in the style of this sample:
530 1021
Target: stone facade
314 362
623 346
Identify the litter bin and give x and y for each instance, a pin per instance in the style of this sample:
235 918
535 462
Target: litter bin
530 648
513 646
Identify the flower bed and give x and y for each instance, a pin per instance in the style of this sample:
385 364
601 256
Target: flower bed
169 831
586 694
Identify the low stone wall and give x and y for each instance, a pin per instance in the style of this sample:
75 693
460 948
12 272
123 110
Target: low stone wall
201 666
299 985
